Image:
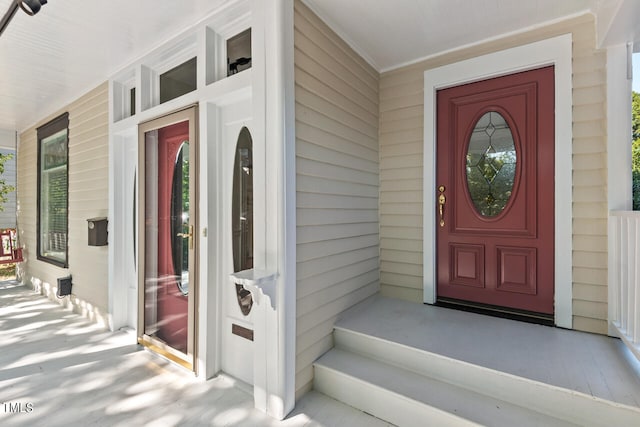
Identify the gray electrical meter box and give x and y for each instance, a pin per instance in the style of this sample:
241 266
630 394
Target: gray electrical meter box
97 229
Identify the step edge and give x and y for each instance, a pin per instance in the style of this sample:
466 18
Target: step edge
420 406
463 401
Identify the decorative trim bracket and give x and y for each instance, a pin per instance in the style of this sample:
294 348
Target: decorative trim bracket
260 283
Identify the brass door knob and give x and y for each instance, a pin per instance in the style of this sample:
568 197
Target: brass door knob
441 202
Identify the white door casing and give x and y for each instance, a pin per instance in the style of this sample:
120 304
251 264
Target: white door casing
123 159
555 51
236 352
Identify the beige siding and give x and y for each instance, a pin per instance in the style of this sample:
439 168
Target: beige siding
337 185
401 151
589 182
401 171
88 198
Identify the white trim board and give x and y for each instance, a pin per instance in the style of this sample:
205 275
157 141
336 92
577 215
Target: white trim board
554 51
269 86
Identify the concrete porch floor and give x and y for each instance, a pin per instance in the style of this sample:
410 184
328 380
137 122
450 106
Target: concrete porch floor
59 369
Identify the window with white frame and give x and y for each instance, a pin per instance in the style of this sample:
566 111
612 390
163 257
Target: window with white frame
53 191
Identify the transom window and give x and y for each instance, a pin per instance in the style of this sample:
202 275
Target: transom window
53 191
178 81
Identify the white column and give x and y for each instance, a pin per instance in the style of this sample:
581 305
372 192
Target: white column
619 127
619 190
273 95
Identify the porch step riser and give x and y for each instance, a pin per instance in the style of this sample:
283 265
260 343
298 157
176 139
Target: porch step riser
563 404
407 399
384 404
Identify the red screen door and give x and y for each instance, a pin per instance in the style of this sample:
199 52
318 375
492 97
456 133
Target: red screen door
495 195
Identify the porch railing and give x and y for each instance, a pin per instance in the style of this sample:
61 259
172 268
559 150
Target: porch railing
624 277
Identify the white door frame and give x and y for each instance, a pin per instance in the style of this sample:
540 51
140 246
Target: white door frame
123 276
236 353
189 113
555 51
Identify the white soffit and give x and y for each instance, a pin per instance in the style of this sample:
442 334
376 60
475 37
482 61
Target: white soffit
71 46
392 33
619 23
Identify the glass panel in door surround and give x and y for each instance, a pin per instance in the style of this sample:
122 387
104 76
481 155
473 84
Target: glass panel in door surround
491 164
242 208
239 52
178 81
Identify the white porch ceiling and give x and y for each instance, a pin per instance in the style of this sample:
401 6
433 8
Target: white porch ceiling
48 60
71 46
393 33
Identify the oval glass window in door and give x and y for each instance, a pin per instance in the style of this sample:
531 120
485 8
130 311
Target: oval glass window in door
242 203
491 164
242 214
180 218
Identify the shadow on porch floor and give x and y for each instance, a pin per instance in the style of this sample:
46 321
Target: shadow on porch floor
592 364
58 369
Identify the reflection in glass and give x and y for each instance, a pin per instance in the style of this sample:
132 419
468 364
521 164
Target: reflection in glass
178 81
135 218
491 164
53 202
180 218
242 214
242 208
239 52
166 302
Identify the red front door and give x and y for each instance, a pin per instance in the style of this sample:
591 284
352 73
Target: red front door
495 195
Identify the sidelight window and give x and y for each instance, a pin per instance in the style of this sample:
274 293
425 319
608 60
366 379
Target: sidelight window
242 211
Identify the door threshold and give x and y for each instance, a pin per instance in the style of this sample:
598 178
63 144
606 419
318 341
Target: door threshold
497 311
166 352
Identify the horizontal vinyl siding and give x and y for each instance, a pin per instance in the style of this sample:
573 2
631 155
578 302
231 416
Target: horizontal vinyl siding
88 198
589 182
337 185
401 171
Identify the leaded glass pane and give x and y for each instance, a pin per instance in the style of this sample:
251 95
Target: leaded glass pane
491 164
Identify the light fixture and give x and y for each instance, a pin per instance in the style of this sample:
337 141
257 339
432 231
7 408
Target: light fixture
30 7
